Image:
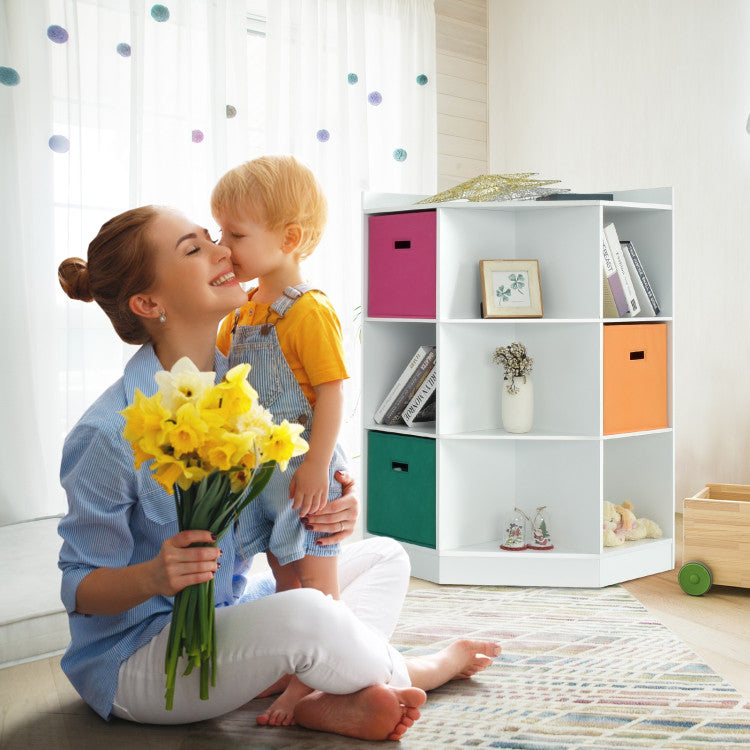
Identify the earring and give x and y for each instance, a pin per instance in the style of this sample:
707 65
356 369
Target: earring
162 316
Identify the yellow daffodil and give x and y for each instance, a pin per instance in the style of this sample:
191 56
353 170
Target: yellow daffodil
154 445
230 450
284 443
189 430
168 471
192 474
139 455
236 395
144 416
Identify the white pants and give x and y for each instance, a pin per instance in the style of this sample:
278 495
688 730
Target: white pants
334 646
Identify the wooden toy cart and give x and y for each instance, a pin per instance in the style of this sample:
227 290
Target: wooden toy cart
716 538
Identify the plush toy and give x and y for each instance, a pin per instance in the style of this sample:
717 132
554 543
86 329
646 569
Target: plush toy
620 525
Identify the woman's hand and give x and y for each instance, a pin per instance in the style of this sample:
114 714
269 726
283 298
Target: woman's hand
338 517
178 565
109 591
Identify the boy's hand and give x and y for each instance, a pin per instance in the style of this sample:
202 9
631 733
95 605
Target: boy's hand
309 487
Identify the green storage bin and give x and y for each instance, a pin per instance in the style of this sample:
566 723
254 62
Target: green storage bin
401 487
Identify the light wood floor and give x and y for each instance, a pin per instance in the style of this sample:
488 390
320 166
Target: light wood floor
40 710
716 626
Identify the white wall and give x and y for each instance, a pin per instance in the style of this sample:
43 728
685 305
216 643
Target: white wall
612 94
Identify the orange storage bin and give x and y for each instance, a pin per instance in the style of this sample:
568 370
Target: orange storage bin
635 377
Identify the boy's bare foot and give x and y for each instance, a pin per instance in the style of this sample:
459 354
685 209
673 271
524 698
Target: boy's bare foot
378 712
457 661
281 712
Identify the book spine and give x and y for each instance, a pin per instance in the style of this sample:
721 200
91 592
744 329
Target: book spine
428 413
610 234
393 415
613 279
420 398
631 253
609 308
402 380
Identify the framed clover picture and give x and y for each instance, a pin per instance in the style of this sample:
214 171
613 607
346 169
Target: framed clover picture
511 289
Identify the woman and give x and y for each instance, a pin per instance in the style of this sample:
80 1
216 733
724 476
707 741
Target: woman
165 284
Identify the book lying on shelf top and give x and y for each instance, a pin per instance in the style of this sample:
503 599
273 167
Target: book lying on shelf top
577 197
417 369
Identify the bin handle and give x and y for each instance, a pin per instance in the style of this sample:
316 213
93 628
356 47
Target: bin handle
638 355
402 244
399 466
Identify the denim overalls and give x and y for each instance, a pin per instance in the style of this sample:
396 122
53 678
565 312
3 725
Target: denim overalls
271 522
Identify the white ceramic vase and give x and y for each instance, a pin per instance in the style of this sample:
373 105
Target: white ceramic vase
518 408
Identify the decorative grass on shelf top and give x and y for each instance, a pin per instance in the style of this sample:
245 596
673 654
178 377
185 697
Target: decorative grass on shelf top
516 363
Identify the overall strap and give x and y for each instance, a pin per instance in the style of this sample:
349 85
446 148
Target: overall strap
236 320
290 295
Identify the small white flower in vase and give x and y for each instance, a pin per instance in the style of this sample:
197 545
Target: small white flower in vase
517 399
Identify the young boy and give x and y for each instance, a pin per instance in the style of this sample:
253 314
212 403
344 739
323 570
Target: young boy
272 212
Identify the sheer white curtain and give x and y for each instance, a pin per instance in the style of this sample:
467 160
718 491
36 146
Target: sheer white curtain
351 91
109 104
104 105
28 378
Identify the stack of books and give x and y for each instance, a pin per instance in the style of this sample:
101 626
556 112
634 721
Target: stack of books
627 289
412 397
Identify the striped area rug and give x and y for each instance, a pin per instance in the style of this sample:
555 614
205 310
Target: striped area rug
581 668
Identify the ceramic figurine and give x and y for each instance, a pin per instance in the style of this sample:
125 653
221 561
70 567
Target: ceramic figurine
540 533
514 537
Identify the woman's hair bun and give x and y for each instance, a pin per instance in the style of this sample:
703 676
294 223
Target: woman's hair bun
73 274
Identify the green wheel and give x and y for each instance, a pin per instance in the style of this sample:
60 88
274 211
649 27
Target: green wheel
694 578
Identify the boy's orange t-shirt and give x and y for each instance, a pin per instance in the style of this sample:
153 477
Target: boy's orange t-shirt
309 335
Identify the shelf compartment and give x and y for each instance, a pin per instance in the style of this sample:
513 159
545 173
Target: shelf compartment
564 239
641 470
480 483
390 347
651 233
566 376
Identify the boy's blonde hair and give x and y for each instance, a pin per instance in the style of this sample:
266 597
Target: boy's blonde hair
274 191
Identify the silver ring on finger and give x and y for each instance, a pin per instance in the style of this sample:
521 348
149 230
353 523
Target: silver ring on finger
341 525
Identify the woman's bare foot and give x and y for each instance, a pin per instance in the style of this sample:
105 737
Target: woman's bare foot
378 712
277 688
457 661
281 712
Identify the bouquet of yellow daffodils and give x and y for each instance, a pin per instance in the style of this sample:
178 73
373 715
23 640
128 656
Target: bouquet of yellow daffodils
214 447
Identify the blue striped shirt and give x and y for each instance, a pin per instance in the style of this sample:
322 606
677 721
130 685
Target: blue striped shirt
118 516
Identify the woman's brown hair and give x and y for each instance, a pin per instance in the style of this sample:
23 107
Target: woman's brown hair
120 264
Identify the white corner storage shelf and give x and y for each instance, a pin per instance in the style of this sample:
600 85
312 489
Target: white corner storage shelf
445 488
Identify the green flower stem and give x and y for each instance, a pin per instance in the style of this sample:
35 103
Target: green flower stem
174 645
213 635
209 505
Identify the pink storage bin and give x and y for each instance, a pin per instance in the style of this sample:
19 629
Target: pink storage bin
401 265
